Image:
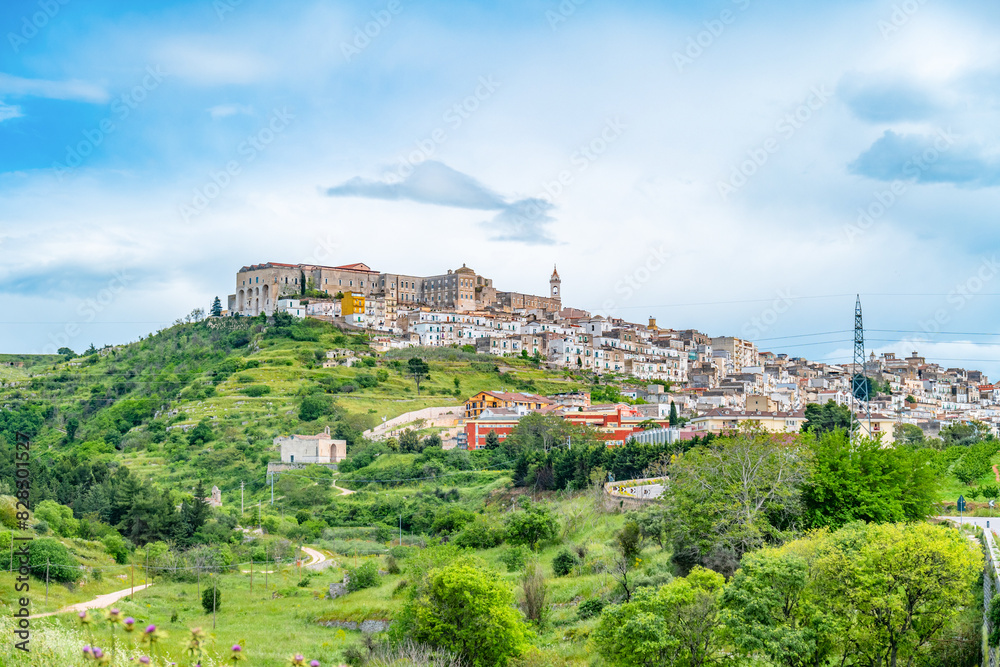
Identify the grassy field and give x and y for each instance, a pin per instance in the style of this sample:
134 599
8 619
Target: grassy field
290 615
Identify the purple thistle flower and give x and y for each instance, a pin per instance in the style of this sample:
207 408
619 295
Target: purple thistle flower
86 649
314 663
237 648
144 660
98 653
150 629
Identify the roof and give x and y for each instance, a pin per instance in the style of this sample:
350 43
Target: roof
355 267
726 412
516 397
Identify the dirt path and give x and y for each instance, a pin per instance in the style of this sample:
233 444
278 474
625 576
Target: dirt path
317 561
347 492
997 473
100 602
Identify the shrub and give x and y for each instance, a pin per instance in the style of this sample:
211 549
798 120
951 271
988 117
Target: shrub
589 608
61 565
513 558
206 599
563 563
256 390
480 533
391 566
363 576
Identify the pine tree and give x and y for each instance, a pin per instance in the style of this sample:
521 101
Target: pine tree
492 440
195 513
674 419
217 308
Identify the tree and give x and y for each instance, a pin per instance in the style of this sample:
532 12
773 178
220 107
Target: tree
72 424
419 370
315 406
201 433
674 417
492 440
770 609
196 512
910 434
531 526
860 480
734 495
827 417
898 584
66 352
466 608
409 441
676 625
216 307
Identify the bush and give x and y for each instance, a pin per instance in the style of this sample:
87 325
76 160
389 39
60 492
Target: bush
480 533
563 563
513 558
207 602
391 566
589 608
256 390
61 565
363 576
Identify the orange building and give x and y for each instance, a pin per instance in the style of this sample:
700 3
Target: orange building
475 405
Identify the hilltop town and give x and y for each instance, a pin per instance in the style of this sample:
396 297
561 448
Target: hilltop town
713 382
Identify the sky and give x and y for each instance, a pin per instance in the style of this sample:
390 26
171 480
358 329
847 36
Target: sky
739 167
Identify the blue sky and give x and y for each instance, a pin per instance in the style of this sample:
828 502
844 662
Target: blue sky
739 167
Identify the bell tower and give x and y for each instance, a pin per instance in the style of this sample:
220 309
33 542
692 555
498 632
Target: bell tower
554 284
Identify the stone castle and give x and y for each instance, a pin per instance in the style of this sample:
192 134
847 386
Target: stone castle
260 286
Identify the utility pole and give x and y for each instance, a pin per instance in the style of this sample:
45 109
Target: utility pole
241 500
214 596
859 380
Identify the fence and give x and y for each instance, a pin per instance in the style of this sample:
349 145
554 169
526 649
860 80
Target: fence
991 584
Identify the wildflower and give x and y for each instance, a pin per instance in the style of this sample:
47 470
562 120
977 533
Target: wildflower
144 660
297 659
314 663
87 651
129 624
113 616
84 618
237 653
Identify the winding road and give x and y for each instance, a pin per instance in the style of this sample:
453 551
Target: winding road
317 561
100 602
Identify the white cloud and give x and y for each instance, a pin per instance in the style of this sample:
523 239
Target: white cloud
8 111
226 110
57 90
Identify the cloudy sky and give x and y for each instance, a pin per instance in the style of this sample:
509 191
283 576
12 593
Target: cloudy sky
739 167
